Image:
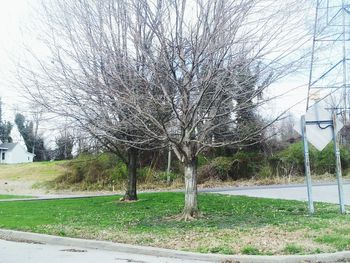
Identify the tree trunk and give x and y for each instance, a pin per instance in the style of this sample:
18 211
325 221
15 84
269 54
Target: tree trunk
131 194
191 206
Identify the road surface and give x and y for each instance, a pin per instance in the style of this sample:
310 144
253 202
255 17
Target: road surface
321 192
15 252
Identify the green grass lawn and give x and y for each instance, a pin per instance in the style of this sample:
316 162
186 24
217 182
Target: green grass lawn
229 224
13 196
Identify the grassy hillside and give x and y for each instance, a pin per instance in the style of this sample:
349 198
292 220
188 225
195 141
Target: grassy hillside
38 171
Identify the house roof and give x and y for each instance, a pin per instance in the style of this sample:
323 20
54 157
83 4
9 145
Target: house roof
8 146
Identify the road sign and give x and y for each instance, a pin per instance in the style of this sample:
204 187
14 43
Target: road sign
318 129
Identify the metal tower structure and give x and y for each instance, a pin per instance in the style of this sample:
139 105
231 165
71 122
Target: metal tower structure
329 76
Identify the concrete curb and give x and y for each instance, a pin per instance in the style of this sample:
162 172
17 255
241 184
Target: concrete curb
19 236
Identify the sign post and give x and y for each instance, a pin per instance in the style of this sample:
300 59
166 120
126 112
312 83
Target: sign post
307 166
338 165
319 126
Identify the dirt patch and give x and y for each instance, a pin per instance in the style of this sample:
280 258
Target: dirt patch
15 187
18 187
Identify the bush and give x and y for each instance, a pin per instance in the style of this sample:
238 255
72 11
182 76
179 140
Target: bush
222 167
162 176
205 173
291 160
218 169
104 169
265 172
119 172
144 174
240 165
149 175
202 160
247 164
325 160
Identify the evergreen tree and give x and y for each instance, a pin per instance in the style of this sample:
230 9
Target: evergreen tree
5 127
65 145
34 144
248 120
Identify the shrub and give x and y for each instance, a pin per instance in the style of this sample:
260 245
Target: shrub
145 174
103 169
205 173
119 171
149 175
265 172
240 165
218 169
202 160
246 164
162 176
291 160
222 167
325 160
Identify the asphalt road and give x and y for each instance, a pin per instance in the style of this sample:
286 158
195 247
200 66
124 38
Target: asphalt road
15 252
321 192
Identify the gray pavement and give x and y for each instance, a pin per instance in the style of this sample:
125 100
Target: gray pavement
326 192
14 252
32 247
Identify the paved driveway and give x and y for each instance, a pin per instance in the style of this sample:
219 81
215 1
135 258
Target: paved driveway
321 192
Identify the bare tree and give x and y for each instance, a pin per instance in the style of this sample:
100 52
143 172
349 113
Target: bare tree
195 62
145 73
85 40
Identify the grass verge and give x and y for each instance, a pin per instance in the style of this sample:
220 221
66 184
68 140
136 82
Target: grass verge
229 224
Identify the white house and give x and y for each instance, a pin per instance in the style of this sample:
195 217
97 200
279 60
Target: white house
11 153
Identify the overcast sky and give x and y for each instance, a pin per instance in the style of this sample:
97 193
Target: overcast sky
15 15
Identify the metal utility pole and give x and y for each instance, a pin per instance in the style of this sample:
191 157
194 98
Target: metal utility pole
328 78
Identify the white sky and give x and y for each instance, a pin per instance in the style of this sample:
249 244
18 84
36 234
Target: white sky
15 15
